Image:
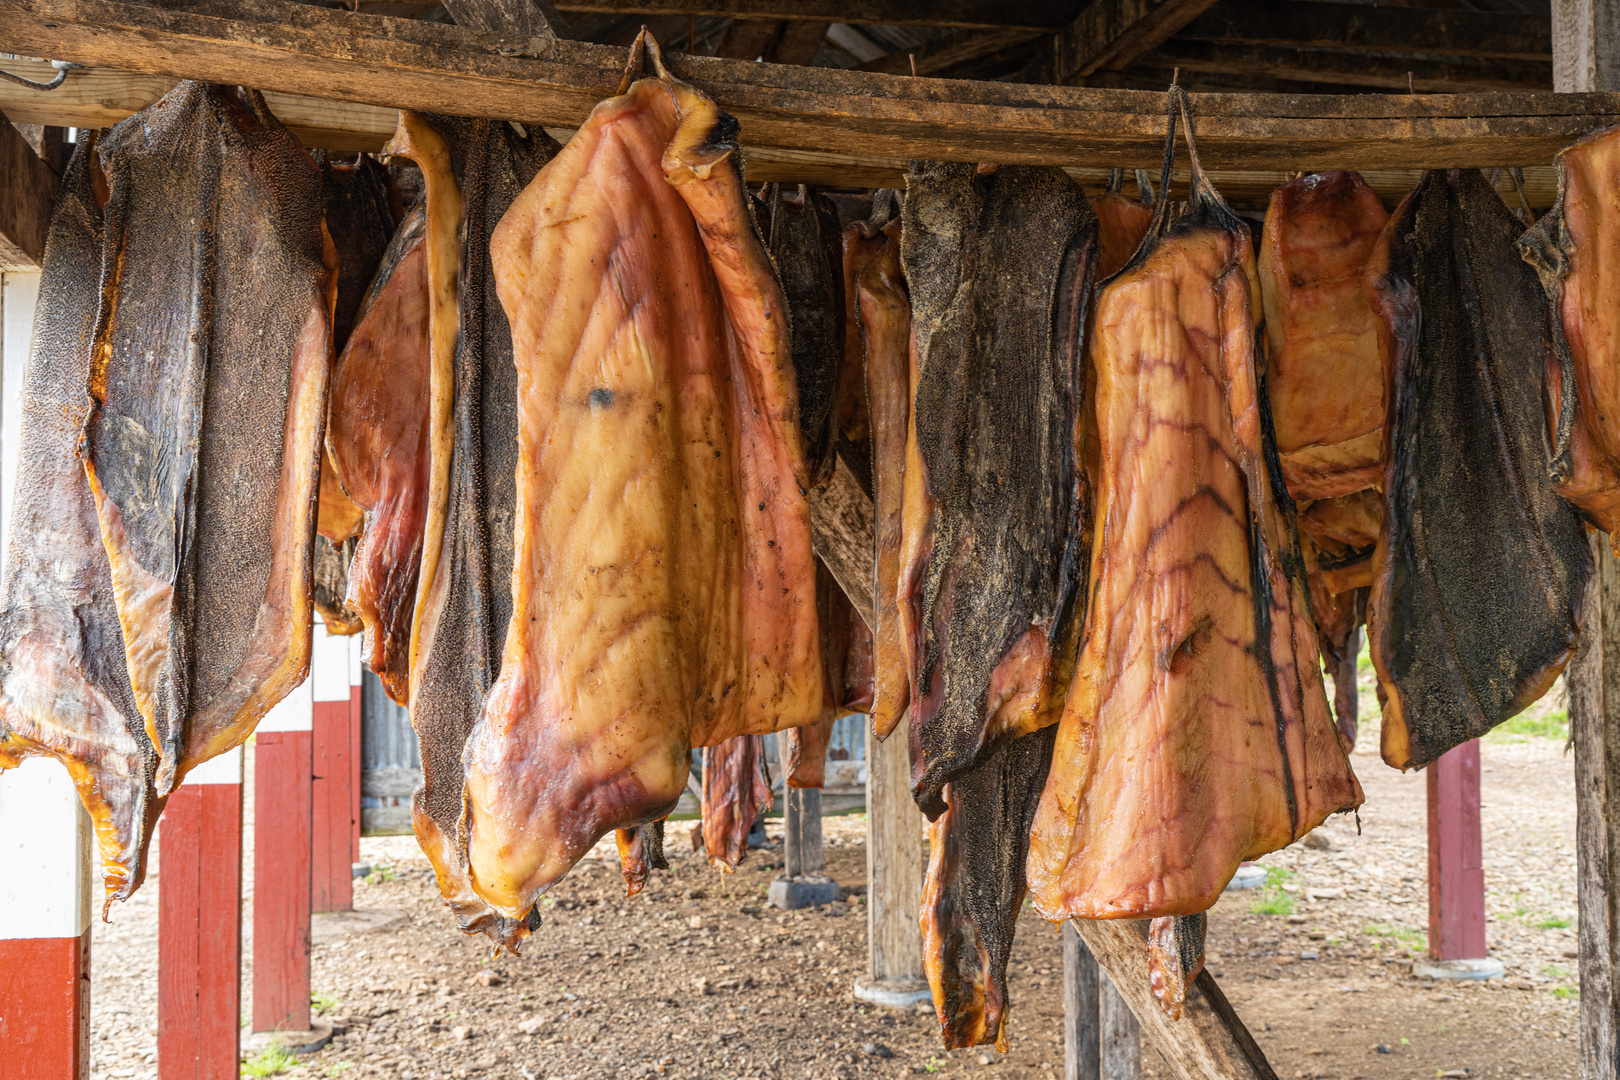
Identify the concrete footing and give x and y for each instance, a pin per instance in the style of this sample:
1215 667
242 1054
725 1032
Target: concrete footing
255 1043
892 993
811 890
1484 968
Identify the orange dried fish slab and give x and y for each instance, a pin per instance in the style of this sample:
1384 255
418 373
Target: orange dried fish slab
663 584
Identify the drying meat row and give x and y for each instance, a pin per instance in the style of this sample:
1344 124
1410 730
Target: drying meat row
550 435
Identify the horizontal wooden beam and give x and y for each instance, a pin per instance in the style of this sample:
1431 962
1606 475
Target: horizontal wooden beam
1109 35
1427 75
950 51
27 193
1368 28
1037 16
294 49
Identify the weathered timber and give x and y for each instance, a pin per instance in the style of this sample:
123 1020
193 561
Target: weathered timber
841 533
27 193
894 875
952 50
1038 16
1585 45
1101 1038
520 18
297 49
1354 69
778 41
1381 29
1594 726
1110 34
1209 1042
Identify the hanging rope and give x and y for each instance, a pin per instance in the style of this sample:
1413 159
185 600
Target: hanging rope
62 68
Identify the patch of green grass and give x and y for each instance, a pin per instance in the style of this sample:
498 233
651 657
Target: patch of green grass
935 1064
1542 721
1273 898
1412 939
380 874
337 1068
1566 992
322 1002
1555 971
1552 922
272 1061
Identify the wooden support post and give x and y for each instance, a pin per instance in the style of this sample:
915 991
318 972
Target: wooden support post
802 851
333 779
356 758
282 816
200 924
1456 871
27 193
1101 1038
894 878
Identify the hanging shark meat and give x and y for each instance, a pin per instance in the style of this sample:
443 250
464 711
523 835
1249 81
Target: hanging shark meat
64 686
1481 567
999 270
377 440
663 588
735 792
1323 372
208 404
846 662
1121 223
803 238
1196 732
1576 250
641 851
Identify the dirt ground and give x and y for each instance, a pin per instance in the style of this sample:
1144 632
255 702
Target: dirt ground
698 978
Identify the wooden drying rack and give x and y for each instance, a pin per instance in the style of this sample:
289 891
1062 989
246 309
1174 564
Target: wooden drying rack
336 78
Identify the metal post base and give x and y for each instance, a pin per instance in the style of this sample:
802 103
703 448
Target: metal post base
892 993
1485 968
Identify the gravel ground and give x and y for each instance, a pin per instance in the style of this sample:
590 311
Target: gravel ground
696 977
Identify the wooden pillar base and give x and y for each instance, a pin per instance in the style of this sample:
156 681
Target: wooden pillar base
45 1007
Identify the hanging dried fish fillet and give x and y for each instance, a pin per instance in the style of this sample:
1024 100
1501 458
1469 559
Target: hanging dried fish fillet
803 238
1576 250
1121 224
1323 373
846 662
377 440
641 851
1479 573
462 607
999 270
975 887
852 421
1196 733
1175 957
663 591
884 311
208 400
64 687
735 793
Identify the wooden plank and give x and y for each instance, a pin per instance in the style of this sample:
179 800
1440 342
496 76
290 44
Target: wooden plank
519 18
1593 678
1209 1042
894 877
1120 1057
1037 16
45 984
1382 29
1429 76
331 801
296 49
842 534
803 852
1082 1011
952 50
281 877
1109 35
1586 45
28 189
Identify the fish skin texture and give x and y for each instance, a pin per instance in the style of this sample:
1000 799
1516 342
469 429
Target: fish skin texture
852 418
64 687
1121 224
377 442
1196 732
975 887
329 585
462 608
208 402
1480 569
1323 373
802 235
999 269
735 791
1175 957
663 583
884 324
1576 249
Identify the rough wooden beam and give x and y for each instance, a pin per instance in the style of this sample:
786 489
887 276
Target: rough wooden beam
27 192
1037 16
1586 45
952 50
777 41
1109 35
518 18
1380 28
1209 1042
295 49
1353 69
841 532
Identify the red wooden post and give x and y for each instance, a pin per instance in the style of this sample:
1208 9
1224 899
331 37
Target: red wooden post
282 822
356 758
200 925
1456 870
333 854
45 887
